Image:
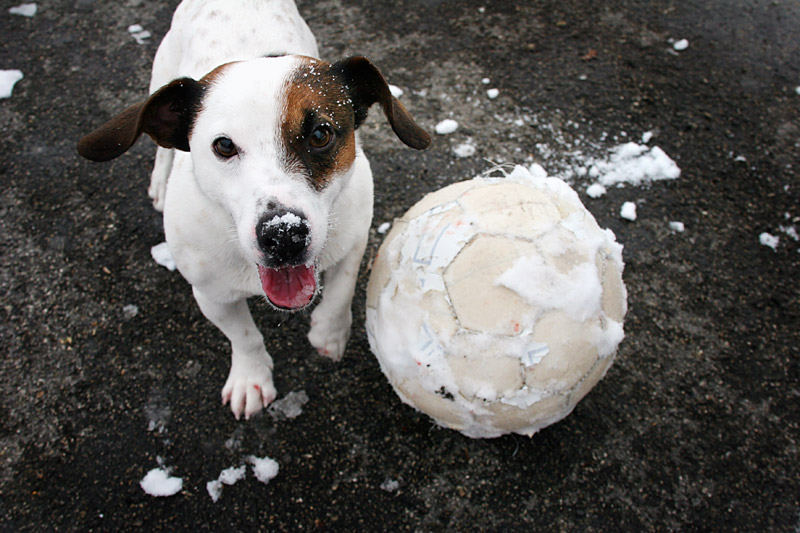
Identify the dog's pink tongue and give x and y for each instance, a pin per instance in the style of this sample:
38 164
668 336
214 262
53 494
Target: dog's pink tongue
288 287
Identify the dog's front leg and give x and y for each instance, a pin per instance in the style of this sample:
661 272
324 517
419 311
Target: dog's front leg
332 318
249 387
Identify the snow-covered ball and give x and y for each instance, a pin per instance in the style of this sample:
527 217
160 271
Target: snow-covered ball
495 304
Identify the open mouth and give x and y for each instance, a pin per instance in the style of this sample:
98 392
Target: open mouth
289 287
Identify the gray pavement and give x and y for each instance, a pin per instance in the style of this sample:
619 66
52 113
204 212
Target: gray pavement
694 428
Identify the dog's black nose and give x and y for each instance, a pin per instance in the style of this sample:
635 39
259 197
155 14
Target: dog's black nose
283 236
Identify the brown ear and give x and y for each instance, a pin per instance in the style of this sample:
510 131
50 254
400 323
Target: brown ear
367 86
166 116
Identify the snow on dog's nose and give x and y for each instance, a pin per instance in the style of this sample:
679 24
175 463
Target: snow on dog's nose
283 237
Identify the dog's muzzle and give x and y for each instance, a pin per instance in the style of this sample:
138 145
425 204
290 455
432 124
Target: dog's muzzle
288 280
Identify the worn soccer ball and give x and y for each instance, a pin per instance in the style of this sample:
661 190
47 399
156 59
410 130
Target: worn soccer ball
495 304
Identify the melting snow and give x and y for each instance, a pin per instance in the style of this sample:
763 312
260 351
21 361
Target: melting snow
628 211
140 34
465 149
383 228
8 78
290 406
767 239
446 126
681 45
633 164
26 10
158 482
677 226
396 91
264 468
162 256
493 93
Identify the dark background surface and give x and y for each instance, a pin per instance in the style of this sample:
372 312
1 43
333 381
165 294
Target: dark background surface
694 427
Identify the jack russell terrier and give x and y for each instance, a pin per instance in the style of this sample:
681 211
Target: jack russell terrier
259 172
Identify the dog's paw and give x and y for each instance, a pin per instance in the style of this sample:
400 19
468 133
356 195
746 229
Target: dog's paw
158 191
329 337
249 388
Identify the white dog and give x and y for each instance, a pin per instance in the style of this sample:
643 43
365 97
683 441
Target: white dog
259 172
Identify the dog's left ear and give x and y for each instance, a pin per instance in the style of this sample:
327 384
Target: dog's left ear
366 86
166 116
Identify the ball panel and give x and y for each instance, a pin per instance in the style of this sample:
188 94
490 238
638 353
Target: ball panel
591 379
509 418
614 298
479 303
383 265
437 198
442 409
486 377
571 353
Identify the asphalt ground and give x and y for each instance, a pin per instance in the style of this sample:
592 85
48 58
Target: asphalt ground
695 427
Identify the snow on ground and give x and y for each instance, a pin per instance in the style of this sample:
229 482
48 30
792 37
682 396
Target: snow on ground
493 93
465 149
264 468
290 406
768 239
129 311
446 126
390 485
680 45
158 482
162 256
140 34
383 228
628 211
396 91
595 190
26 10
8 78
677 226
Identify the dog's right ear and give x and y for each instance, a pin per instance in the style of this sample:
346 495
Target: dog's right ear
166 116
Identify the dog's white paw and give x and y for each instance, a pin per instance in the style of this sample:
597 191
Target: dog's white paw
329 336
158 191
249 387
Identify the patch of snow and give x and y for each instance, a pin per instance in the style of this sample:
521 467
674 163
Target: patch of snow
231 475
9 78
493 93
214 489
264 468
139 34
446 127
677 226
158 482
396 91
130 311
646 136
578 291
290 406
740 159
465 149
791 231
486 81
628 211
797 90
633 164
595 190
26 10
681 45
767 239
383 228
537 171
162 256
390 485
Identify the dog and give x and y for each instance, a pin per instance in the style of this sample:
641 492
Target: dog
259 172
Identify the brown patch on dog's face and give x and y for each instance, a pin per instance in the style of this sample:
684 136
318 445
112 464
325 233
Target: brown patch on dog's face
318 123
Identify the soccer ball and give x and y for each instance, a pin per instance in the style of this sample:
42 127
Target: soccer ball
495 304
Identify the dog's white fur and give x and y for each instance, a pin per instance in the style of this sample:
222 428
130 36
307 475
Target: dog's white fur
212 206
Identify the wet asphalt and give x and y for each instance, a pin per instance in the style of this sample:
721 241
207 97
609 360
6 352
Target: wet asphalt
695 427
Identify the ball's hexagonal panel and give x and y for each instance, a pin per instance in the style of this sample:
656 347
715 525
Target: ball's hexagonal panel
479 303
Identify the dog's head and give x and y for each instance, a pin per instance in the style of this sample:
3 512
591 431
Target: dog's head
272 140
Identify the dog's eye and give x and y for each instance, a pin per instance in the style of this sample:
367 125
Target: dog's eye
321 137
224 147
